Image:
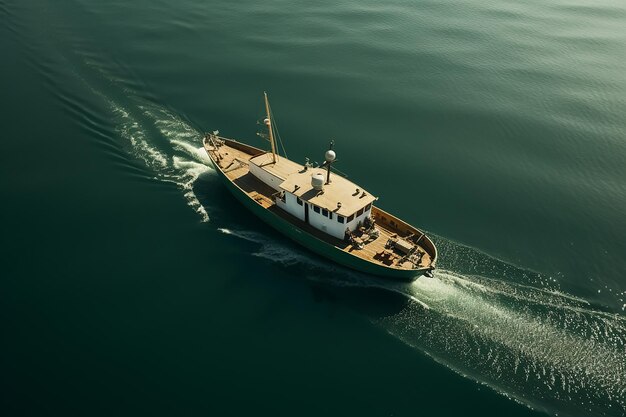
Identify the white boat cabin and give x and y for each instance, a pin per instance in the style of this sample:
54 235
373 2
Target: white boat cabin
334 206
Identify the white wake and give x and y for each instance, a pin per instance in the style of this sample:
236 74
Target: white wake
543 348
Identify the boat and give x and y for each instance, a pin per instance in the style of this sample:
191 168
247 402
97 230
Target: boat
319 208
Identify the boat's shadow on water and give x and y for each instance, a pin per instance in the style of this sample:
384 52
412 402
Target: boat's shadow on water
329 282
373 302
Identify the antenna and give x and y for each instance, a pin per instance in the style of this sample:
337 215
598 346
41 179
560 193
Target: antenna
330 156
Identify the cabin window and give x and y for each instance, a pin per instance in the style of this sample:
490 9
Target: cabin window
324 212
358 213
316 209
350 218
298 201
330 215
369 206
341 219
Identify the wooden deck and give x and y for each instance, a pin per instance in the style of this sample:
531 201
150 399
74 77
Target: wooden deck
234 163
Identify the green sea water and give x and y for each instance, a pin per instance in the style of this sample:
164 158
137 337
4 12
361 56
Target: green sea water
132 283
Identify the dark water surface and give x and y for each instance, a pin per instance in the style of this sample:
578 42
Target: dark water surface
133 284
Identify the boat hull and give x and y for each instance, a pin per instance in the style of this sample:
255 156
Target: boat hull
314 244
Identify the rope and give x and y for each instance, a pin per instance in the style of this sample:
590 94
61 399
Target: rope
277 132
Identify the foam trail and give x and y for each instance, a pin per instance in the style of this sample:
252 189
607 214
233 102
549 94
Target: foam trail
545 349
547 354
136 120
278 252
133 118
181 163
245 235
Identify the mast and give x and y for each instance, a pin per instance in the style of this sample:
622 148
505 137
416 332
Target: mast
268 123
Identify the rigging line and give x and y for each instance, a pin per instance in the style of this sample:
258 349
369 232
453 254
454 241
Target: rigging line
277 132
343 174
273 125
281 143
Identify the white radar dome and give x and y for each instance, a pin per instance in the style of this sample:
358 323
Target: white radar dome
267 122
317 181
330 155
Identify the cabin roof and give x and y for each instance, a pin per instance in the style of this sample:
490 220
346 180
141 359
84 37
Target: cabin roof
340 190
